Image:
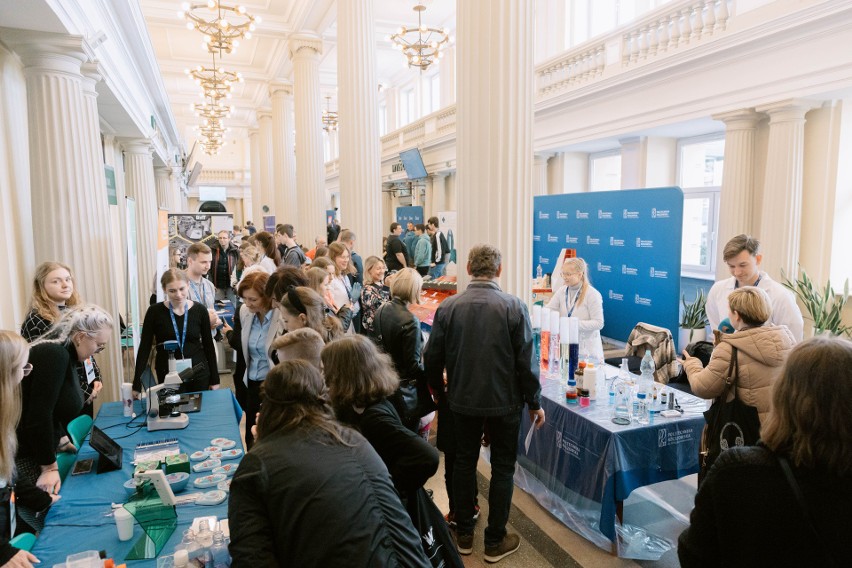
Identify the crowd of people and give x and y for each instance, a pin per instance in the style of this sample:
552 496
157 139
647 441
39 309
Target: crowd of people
329 356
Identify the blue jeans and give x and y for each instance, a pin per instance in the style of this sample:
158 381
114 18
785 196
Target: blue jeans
503 432
438 270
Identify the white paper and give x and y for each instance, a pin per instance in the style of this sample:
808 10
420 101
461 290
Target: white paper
529 435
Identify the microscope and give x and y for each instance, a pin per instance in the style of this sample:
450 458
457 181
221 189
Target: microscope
164 400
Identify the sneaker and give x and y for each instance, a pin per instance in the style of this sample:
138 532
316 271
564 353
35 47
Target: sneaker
476 512
509 544
464 542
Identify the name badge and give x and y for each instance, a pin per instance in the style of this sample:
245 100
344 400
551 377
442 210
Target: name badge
90 370
182 365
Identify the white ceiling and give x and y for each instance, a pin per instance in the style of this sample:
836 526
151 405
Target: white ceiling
265 57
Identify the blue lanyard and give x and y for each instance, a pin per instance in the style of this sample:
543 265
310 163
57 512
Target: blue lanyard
574 304
737 282
201 300
180 339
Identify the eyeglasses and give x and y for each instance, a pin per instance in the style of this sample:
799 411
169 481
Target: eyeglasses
100 346
569 274
27 369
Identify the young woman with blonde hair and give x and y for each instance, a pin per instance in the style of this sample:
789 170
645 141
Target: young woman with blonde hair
577 298
54 290
343 281
14 352
302 307
375 293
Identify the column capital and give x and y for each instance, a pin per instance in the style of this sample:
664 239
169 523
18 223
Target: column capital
541 158
741 119
91 77
285 87
264 113
48 51
789 109
439 175
253 132
138 146
162 171
305 45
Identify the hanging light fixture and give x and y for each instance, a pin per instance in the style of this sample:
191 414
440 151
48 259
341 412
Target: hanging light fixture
329 117
222 26
422 45
215 82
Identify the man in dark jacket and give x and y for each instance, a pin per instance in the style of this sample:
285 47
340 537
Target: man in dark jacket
483 338
440 248
225 257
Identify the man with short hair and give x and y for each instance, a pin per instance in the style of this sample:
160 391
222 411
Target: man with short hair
237 237
319 241
396 255
251 228
440 248
743 257
303 343
225 257
199 257
410 239
483 338
292 254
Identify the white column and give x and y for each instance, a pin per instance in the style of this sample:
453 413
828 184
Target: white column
439 192
283 158
163 185
540 175
495 158
781 218
305 50
255 214
737 199
633 158
101 286
360 151
267 199
175 189
139 175
16 228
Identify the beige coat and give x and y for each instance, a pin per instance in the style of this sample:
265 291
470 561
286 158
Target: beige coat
761 353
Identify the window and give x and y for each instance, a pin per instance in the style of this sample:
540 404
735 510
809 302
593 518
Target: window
585 19
383 119
407 106
700 165
605 171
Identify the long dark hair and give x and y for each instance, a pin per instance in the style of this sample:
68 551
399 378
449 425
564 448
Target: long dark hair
294 396
267 243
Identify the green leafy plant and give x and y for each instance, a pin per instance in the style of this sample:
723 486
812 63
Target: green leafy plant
824 305
695 312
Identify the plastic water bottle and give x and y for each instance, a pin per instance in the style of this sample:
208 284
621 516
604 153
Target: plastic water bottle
644 412
219 551
538 273
535 320
647 367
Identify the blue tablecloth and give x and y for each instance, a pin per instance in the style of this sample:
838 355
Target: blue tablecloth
80 521
581 455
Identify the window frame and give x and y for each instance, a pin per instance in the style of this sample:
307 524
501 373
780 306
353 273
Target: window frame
714 192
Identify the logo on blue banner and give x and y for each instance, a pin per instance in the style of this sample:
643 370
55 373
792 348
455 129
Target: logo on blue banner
592 240
582 214
604 267
613 242
644 243
659 273
630 214
569 240
629 270
543 215
640 301
659 213
561 214
604 214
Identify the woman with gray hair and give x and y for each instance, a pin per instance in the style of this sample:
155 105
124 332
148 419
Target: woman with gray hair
51 395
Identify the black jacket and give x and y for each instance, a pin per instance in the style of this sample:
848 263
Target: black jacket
397 332
300 498
747 515
233 257
51 398
483 337
410 459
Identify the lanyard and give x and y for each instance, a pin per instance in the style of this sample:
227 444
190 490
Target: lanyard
180 339
737 282
201 299
574 303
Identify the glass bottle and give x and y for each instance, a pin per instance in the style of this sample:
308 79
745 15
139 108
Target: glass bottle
219 551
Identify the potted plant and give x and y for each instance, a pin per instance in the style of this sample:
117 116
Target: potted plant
824 305
694 321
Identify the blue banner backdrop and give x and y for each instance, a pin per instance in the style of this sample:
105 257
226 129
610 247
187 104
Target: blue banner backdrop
631 240
413 214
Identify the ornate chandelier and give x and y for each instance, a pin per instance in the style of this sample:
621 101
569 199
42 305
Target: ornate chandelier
222 26
215 82
329 117
422 45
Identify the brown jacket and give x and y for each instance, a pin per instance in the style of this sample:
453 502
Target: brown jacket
761 353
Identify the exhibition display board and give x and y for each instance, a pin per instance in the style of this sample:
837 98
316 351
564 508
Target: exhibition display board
631 240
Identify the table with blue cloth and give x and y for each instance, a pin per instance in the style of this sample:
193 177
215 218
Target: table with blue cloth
82 519
581 466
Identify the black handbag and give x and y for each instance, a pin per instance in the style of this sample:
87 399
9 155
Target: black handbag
433 531
729 424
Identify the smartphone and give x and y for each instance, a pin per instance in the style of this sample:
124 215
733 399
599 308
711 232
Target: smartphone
82 466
